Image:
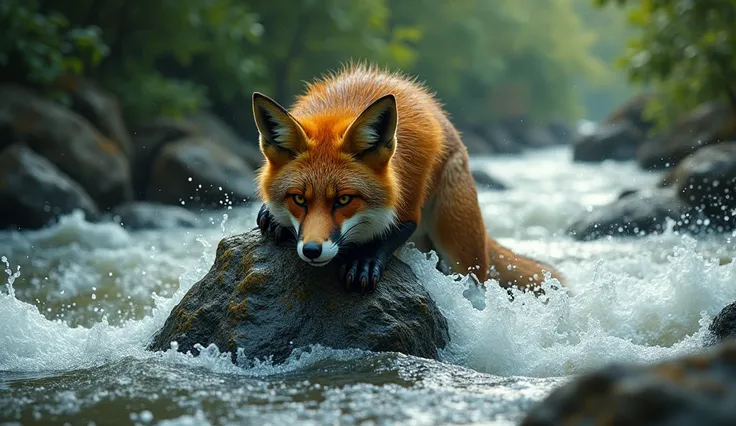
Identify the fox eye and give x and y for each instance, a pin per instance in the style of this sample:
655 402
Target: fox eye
299 199
344 200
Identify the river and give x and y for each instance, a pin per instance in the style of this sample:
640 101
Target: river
83 299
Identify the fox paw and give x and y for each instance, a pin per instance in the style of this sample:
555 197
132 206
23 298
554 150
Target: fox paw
361 274
268 226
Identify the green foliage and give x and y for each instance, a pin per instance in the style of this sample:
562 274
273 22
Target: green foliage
486 59
39 48
687 49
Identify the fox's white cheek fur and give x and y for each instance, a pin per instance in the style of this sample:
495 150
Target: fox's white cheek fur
367 225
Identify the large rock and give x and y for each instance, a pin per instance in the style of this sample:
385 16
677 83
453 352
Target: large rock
201 173
710 123
476 144
632 112
142 215
151 138
618 141
68 141
723 326
483 180
706 180
501 140
259 297
148 141
101 109
211 127
634 214
34 192
563 132
694 390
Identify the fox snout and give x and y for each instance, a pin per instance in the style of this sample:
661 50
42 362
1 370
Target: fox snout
317 253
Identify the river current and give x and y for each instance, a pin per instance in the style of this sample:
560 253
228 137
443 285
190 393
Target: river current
82 300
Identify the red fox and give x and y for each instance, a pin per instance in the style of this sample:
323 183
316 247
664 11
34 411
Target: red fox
365 161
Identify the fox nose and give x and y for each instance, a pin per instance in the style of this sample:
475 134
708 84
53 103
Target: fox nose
312 250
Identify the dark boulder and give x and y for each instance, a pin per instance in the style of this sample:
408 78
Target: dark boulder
698 389
476 144
563 133
608 142
143 215
261 299
710 123
706 180
68 141
485 181
632 112
501 140
634 214
201 173
211 127
102 110
723 326
148 141
33 192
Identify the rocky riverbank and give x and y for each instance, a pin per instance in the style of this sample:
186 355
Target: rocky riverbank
82 155
698 192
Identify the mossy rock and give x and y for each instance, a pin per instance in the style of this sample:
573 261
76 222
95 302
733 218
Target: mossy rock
261 299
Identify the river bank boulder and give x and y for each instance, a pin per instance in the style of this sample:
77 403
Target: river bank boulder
617 141
698 389
706 180
635 214
198 173
711 123
259 297
144 215
68 141
33 192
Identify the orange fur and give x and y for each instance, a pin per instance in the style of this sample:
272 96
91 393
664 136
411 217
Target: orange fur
424 177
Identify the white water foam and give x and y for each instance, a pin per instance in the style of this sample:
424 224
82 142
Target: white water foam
632 300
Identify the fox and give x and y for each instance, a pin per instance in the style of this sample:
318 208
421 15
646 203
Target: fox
365 161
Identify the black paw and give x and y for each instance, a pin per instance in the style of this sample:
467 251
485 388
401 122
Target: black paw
269 226
361 274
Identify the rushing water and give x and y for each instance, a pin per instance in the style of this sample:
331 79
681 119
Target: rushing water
83 299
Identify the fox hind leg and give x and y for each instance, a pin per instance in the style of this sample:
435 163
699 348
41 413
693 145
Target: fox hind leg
456 226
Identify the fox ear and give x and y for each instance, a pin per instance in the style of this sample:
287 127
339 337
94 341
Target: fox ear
371 137
282 137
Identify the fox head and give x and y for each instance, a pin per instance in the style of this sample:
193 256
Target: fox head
328 177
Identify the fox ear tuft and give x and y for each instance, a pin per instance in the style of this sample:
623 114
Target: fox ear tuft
372 136
282 137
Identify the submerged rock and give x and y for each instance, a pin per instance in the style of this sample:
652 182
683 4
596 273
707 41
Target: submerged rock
34 192
634 214
706 180
710 123
260 298
68 141
723 326
693 390
143 215
201 173
618 141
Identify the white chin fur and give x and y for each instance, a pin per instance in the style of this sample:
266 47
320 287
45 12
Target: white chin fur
367 225
329 251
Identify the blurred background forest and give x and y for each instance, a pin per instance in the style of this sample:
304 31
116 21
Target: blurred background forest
537 59
128 81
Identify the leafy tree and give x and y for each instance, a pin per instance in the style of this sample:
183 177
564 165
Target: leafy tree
686 48
39 48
